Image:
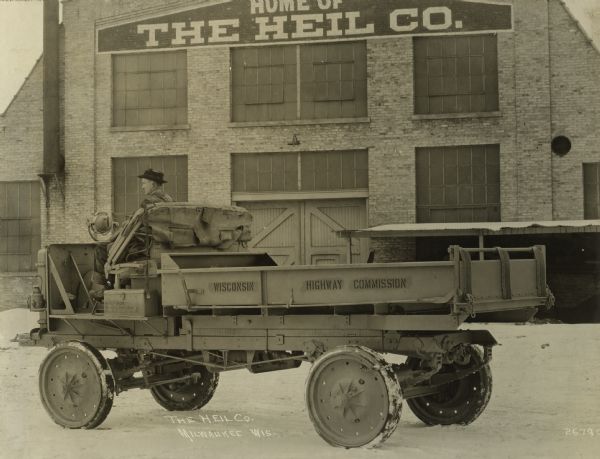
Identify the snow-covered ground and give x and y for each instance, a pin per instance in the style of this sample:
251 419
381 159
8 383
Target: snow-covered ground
545 403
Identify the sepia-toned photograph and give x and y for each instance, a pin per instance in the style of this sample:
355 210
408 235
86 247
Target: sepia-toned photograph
294 229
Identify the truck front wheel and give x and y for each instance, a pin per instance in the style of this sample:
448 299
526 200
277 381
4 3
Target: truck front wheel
76 385
353 397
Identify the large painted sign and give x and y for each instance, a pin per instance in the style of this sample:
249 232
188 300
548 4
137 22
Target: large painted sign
253 22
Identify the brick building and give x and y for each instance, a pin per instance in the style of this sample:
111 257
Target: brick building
20 198
320 115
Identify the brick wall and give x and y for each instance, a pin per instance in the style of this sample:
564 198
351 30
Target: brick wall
532 100
79 119
14 290
21 149
21 136
53 216
21 141
391 136
522 127
575 109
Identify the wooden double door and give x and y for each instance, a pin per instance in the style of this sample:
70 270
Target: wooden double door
304 232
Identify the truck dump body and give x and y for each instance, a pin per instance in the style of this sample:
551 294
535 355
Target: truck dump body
422 285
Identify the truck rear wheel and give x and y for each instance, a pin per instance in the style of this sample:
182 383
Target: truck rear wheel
353 397
458 402
187 395
76 385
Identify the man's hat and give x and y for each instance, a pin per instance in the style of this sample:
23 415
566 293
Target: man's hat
153 175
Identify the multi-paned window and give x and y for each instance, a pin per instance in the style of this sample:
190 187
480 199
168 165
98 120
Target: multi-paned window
334 171
150 89
312 81
127 192
19 226
456 74
306 171
458 184
264 83
333 80
591 191
265 172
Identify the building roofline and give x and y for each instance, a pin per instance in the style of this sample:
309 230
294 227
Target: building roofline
154 11
39 59
475 229
579 26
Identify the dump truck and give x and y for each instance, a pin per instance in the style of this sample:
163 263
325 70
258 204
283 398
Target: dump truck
185 300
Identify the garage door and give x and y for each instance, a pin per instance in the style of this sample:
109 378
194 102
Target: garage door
304 232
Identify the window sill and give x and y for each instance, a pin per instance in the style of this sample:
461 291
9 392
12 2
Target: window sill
7 274
150 128
237 124
237 196
444 116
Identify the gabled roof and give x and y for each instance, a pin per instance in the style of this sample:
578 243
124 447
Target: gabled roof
37 62
579 26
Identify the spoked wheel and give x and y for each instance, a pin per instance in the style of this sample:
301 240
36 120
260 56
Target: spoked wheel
353 398
189 394
458 402
76 385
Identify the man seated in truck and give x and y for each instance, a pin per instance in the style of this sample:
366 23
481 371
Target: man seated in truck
151 184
